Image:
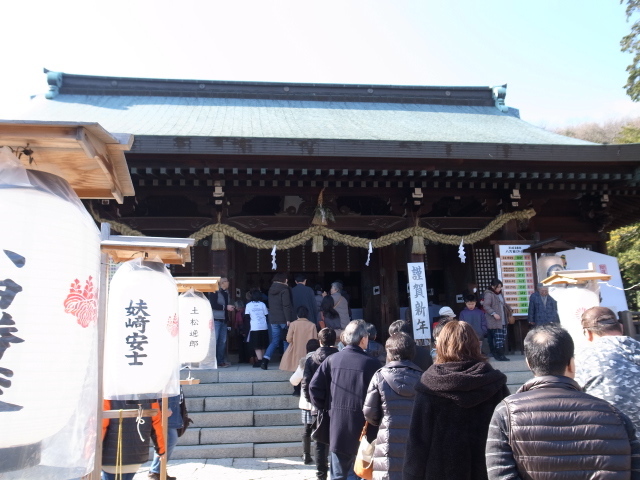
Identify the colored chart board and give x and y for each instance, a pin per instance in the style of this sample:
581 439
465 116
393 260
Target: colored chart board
516 273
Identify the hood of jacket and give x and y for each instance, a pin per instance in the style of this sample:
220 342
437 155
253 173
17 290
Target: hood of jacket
401 377
277 288
467 384
323 352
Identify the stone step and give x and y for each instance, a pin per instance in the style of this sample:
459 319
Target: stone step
518 378
516 363
190 437
244 403
237 389
231 450
222 419
243 373
265 418
280 450
276 434
258 418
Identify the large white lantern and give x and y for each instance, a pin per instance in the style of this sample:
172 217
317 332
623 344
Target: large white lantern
572 302
141 344
196 321
49 271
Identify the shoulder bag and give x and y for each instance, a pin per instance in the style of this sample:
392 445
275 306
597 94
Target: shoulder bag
363 465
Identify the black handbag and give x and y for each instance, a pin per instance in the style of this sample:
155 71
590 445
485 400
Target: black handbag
184 414
320 428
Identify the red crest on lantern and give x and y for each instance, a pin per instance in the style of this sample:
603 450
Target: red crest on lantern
82 303
173 325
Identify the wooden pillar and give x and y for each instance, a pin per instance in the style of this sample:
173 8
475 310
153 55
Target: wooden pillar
510 230
219 263
389 309
370 279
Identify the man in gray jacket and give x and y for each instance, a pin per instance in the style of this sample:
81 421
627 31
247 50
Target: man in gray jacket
340 304
608 367
551 429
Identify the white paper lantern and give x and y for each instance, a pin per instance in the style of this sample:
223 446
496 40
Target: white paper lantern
572 302
196 319
141 344
49 271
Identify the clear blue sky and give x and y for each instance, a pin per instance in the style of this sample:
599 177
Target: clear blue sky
561 58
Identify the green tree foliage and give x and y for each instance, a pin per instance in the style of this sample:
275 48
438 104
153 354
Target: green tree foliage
628 134
631 44
624 130
624 244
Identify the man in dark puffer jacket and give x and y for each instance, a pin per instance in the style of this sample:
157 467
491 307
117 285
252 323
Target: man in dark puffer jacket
550 429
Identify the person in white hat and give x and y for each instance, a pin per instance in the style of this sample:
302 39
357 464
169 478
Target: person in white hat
447 312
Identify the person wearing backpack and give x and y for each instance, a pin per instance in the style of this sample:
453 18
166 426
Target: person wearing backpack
174 425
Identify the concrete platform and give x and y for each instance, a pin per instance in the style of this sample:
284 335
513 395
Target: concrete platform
262 468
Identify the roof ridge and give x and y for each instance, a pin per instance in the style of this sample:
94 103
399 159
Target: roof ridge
64 83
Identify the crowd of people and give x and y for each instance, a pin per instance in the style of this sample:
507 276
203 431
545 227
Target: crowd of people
447 413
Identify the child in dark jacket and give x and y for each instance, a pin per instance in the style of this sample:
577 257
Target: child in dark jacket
304 405
474 317
327 339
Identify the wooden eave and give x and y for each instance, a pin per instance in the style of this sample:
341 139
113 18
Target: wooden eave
151 144
551 245
87 156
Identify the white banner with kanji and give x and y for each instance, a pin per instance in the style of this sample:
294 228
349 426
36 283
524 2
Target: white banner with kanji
419 301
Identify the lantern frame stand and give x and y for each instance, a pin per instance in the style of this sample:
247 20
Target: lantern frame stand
122 248
575 277
201 284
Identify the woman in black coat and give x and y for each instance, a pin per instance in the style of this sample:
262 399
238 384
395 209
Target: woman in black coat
389 404
454 403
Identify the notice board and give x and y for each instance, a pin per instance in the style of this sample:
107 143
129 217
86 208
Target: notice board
515 269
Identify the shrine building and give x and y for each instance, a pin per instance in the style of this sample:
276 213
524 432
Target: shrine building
421 168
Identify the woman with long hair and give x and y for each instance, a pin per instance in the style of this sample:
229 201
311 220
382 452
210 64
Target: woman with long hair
329 316
455 399
496 315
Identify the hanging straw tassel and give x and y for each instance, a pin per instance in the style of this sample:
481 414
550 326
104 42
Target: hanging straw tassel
322 215
217 241
418 247
318 244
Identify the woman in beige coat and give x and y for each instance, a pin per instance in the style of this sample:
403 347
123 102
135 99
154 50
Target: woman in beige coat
495 312
300 332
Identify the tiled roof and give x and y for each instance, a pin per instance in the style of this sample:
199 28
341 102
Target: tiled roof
191 116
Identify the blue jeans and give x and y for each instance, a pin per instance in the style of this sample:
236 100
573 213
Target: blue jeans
277 331
112 476
172 439
341 467
221 340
